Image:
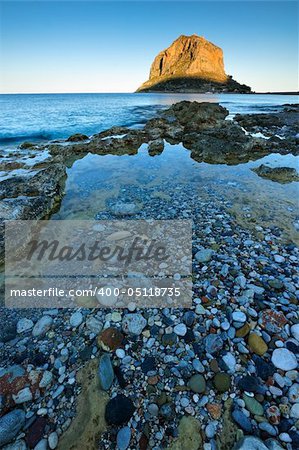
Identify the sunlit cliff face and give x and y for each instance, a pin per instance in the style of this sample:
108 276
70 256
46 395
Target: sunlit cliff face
188 56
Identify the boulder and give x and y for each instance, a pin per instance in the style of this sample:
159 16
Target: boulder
250 443
10 425
25 145
278 174
190 63
189 435
196 116
119 410
78 137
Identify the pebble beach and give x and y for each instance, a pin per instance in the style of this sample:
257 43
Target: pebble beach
220 375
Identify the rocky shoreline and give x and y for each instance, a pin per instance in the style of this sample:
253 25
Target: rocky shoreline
220 375
201 127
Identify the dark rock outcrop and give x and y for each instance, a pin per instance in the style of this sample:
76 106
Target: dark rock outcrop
283 123
278 174
190 64
77 137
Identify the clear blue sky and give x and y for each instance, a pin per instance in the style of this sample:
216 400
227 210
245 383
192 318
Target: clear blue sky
109 46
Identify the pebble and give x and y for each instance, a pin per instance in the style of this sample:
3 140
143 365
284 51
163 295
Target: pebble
241 281
250 443
256 344
213 343
243 331
222 382
283 359
200 310
270 429
275 391
110 339
253 405
276 284
167 411
280 380
58 392
116 317
279 259
105 372
124 209
180 329
119 410
230 362
94 325
23 396
204 255
76 319
120 353
153 409
295 331
10 425
293 393
53 440
46 379
225 325
272 444
185 402
248 383
42 326
243 421
285 437
197 365
189 318
42 445
18 445
239 316
133 324
123 438
295 411
210 430
197 384
24 325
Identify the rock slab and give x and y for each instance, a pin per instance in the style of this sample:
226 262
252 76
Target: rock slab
10 425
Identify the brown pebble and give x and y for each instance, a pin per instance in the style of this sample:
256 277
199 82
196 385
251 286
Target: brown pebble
243 331
110 339
153 380
214 366
215 410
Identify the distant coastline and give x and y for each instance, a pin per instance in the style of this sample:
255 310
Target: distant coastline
277 93
153 92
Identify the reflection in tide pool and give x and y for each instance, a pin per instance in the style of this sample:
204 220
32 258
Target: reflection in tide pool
94 182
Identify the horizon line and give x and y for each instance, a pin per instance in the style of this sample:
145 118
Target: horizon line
134 92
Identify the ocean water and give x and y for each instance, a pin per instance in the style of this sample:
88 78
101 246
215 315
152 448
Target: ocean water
40 117
94 182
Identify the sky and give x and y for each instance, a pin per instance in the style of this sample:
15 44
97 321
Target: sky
97 46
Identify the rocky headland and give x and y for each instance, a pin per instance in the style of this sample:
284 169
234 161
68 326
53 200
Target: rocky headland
191 64
222 374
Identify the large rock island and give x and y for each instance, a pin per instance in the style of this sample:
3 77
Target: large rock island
191 64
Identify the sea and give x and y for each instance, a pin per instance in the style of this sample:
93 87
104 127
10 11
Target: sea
95 182
42 117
